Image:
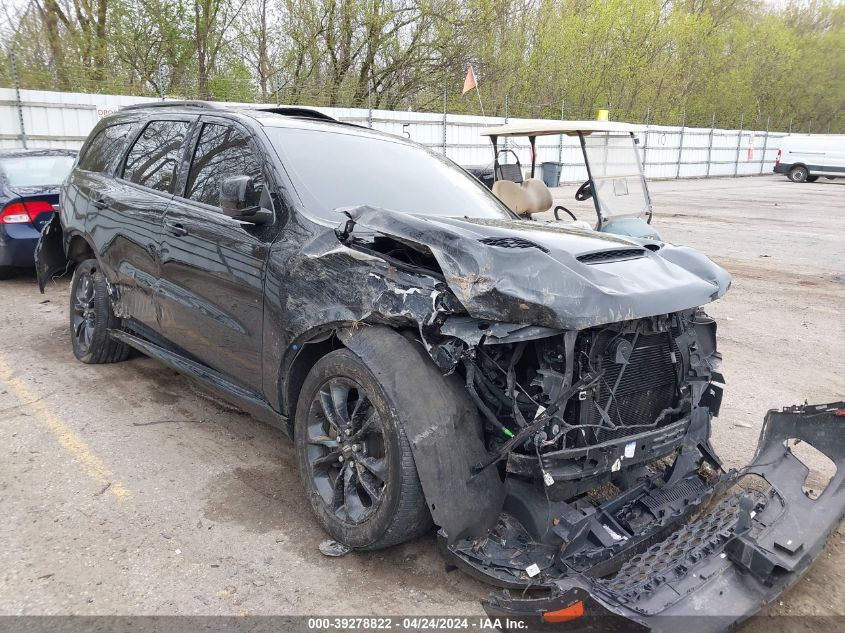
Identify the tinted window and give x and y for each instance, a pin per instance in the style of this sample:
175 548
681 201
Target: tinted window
105 148
222 152
35 171
341 169
153 158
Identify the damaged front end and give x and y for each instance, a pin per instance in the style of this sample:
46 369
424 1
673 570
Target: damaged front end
589 486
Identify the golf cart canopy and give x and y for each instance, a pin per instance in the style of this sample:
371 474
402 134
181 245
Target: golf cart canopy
569 128
616 182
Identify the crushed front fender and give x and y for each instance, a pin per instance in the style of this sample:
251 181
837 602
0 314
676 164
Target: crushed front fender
723 565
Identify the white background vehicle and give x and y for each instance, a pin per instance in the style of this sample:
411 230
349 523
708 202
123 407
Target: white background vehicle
805 158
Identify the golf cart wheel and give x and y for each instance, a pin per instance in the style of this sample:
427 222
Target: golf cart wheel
799 173
354 458
91 317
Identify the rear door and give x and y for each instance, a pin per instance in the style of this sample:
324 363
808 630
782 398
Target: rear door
129 223
212 266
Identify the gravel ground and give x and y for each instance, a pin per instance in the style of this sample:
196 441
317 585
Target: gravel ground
125 489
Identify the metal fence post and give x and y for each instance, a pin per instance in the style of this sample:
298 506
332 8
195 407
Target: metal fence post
710 144
18 103
370 105
765 147
560 138
681 145
445 104
738 145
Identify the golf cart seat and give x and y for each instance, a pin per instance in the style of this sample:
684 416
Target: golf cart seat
529 196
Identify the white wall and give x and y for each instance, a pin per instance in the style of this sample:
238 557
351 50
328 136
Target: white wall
61 119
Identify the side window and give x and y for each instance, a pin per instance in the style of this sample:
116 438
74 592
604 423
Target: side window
222 152
153 158
105 148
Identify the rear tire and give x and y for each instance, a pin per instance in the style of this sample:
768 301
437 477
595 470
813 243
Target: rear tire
799 173
354 458
91 317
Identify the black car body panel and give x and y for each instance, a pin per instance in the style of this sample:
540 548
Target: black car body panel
576 372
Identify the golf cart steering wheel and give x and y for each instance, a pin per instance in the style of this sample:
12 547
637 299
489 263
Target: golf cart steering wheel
560 208
585 192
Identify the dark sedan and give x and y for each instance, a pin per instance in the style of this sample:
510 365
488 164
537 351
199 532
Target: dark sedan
29 189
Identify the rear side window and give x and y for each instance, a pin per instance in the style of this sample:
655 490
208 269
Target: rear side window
222 152
105 148
153 158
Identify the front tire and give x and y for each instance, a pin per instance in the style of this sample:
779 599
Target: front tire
799 173
91 317
354 458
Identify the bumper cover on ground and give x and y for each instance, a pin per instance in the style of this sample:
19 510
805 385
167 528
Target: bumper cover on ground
722 567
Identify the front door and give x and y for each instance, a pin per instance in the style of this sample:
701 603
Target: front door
212 274
127 230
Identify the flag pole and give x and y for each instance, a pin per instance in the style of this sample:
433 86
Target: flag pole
478 92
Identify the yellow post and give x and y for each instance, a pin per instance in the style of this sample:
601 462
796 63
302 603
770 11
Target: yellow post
603 115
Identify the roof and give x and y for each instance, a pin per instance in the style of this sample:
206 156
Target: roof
570 128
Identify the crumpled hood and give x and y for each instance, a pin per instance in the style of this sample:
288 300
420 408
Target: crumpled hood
529 272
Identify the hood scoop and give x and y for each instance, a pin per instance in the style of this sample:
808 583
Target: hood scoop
512 242
616 255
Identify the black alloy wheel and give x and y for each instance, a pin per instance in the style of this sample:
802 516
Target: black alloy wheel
346 450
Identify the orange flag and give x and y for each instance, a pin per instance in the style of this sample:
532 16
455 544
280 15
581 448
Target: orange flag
469 82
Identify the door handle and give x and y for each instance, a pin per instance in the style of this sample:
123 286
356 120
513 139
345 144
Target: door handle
175 228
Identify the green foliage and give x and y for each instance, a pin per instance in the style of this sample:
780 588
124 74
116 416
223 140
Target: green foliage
742 62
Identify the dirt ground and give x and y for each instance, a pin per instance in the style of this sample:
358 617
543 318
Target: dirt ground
127 490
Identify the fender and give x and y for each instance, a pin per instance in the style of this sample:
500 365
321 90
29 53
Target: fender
442 426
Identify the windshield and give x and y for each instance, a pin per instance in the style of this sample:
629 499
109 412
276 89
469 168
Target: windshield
346 169
36 171
618 182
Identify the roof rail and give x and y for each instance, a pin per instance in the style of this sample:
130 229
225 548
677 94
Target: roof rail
174 104
305 113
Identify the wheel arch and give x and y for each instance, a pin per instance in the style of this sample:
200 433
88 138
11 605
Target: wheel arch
302 355
442 426
78 248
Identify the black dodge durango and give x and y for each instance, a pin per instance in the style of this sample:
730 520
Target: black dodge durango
541 393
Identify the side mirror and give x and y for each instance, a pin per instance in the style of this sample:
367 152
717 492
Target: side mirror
239 200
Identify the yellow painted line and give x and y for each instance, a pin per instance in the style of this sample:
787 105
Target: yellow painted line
67 437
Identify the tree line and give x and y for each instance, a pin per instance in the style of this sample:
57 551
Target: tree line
662 61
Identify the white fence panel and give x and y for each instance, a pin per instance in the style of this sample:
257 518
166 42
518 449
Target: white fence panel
63 120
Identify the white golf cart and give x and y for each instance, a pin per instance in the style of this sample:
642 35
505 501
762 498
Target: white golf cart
615 179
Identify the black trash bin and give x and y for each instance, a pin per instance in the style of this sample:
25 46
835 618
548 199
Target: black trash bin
551 173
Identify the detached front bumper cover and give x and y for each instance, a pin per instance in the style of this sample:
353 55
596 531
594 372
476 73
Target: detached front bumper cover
721 568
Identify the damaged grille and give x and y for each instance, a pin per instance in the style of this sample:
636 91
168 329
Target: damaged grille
646 387
603 257
512 242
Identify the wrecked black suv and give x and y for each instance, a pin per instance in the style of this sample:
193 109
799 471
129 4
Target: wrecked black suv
543 394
